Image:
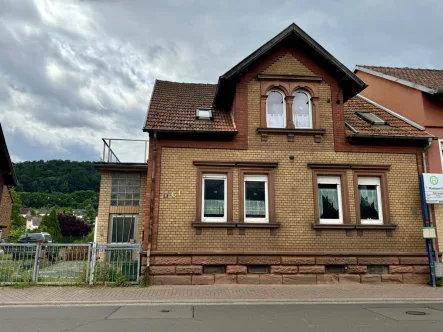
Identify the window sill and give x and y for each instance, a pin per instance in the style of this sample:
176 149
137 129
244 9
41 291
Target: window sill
213 225
291 132
257 225
353 226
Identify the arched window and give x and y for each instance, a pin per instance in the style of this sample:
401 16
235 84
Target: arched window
275 110
302 109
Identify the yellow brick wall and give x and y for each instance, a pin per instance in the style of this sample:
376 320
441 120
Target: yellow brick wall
294 203
105 208
439 224
288 65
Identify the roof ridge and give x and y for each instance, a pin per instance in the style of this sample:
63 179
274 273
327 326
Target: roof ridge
189 83
389 67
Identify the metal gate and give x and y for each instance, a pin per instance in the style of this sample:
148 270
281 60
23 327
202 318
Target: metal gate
54 263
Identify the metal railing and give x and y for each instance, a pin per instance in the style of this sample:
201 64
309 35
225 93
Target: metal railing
53 263
109 154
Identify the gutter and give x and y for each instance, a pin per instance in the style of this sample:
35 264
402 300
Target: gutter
196 131
151 204
431 221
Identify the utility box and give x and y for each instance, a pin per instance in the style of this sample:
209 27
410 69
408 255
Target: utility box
438 269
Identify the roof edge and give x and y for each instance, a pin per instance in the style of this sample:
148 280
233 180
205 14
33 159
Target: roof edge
4 147
398 116
397 80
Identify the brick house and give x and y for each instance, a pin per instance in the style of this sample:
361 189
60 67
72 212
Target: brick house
418 95
281 173
7 179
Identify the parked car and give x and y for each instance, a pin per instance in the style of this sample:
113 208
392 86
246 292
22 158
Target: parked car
2 248
28 252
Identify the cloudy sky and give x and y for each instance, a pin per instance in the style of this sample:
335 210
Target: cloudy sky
74 71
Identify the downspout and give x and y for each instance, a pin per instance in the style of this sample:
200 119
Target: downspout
431 221
151 204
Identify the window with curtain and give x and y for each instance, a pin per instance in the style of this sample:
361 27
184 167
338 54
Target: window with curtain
369 193
275 110
329 199
302 110
214 197
123 228
256 198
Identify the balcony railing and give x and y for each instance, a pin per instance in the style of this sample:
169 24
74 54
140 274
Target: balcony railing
128 150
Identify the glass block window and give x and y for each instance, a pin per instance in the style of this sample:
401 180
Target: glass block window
125 189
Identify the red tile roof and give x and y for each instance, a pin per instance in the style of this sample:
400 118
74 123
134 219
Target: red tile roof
430 78
397 127
173 107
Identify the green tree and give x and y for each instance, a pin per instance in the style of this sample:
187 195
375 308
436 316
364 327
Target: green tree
90 214
17 225
51 225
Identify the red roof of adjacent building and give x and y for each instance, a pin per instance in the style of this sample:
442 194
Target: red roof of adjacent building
430 78
173 108
397 126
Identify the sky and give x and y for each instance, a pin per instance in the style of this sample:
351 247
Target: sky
75 71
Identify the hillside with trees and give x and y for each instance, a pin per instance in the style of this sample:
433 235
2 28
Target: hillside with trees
61 183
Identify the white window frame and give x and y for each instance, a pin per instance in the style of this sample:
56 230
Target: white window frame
223 177
440 147
283 106
310 109
111 226
371 181
331 179
258 178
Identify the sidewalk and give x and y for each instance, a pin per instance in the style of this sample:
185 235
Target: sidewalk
220 294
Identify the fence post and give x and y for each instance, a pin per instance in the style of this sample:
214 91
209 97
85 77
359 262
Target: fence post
139 262
88 265
36 263
93 261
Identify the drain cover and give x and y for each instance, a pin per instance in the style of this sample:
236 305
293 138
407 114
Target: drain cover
416 313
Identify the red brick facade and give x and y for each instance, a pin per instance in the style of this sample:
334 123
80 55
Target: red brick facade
5 212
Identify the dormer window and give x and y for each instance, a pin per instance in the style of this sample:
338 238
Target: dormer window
203 114
275 110
371 118
302 110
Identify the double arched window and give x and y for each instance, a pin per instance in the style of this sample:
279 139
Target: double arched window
276 110
302 109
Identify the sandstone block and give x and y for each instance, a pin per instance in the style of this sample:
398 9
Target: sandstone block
327 279
392 278
172 260
378 261
157 270
214 260
259 260
248 278
410 278
420 269
348 278
371 279
400 269
205 279
225 279
299 279
414 260
291 260
284 269
230 269
312 269
172 280
270 279
336 260
190 269
357 269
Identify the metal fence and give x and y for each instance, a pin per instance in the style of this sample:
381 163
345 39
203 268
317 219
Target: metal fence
69 263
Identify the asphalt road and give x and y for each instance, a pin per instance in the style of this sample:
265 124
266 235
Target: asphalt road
222 318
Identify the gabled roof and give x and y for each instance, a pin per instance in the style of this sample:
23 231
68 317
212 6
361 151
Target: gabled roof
5 162
173 108
25 210
427 80
293 35
398 127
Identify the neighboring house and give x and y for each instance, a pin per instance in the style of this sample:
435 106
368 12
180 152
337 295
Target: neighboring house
43 211
279 173
418 95
7 179
33 222
79 213
25 212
